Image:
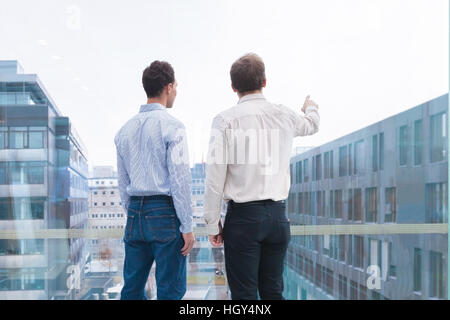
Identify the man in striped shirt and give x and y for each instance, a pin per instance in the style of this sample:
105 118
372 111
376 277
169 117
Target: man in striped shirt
155 189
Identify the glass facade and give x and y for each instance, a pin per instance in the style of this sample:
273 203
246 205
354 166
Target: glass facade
43 186
384 184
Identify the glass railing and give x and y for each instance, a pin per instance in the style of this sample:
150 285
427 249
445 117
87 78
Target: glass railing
355 261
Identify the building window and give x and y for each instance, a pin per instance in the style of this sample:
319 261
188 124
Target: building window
306 170
331 204
95 204
22 137
3 138
438 137
298 172
342 287
331 165
436 201
381 164
320 203
353 290
390 205
418 142
22 172
375 153
291 200
357 202
329 281
350 160
375 253
300 203
306 199
328 165
318 164
371 205
342 248
95 192
29 208
18 138
36 137
403 145
417 280
358 251
358 164
318 280
392 267
350 204
338 204
436 275
343 161
21 247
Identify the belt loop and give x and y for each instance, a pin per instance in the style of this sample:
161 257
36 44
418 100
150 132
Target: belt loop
142 203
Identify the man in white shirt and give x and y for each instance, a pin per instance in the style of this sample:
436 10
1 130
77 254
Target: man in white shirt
248 167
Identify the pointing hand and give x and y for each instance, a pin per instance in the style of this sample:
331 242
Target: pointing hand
308 103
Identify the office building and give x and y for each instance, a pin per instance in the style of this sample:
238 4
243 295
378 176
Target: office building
390 173
43 185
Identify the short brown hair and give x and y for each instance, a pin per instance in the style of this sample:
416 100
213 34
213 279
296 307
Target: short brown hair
156 77
248 73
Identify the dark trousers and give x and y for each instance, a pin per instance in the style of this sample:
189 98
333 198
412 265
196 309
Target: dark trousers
256 237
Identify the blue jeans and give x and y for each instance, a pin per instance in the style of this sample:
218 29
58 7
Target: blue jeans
152 233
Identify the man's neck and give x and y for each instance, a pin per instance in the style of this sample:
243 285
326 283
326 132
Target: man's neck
241 95
161 101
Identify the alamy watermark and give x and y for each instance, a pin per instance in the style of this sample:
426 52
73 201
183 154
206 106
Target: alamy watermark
261 147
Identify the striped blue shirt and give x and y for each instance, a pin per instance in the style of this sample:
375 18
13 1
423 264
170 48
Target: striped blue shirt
153 159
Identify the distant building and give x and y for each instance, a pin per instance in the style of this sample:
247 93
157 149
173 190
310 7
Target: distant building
43 185
198 189
105 210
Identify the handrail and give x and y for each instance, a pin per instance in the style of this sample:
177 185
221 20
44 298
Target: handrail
296 230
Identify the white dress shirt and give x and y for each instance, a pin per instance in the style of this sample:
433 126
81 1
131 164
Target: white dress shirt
249 153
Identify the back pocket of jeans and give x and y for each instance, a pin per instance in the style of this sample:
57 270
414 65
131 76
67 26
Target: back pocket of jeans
162 227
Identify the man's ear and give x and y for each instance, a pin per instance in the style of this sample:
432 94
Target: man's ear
232 87
264 83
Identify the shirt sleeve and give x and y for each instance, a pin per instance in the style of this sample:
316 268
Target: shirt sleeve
216 171
123 180
308 124
180 178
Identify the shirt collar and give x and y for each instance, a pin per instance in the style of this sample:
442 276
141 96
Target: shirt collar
253 96
151 107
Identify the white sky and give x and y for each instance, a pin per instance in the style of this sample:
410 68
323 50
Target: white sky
361 60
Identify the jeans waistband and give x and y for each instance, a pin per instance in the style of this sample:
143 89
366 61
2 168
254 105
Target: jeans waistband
149 198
